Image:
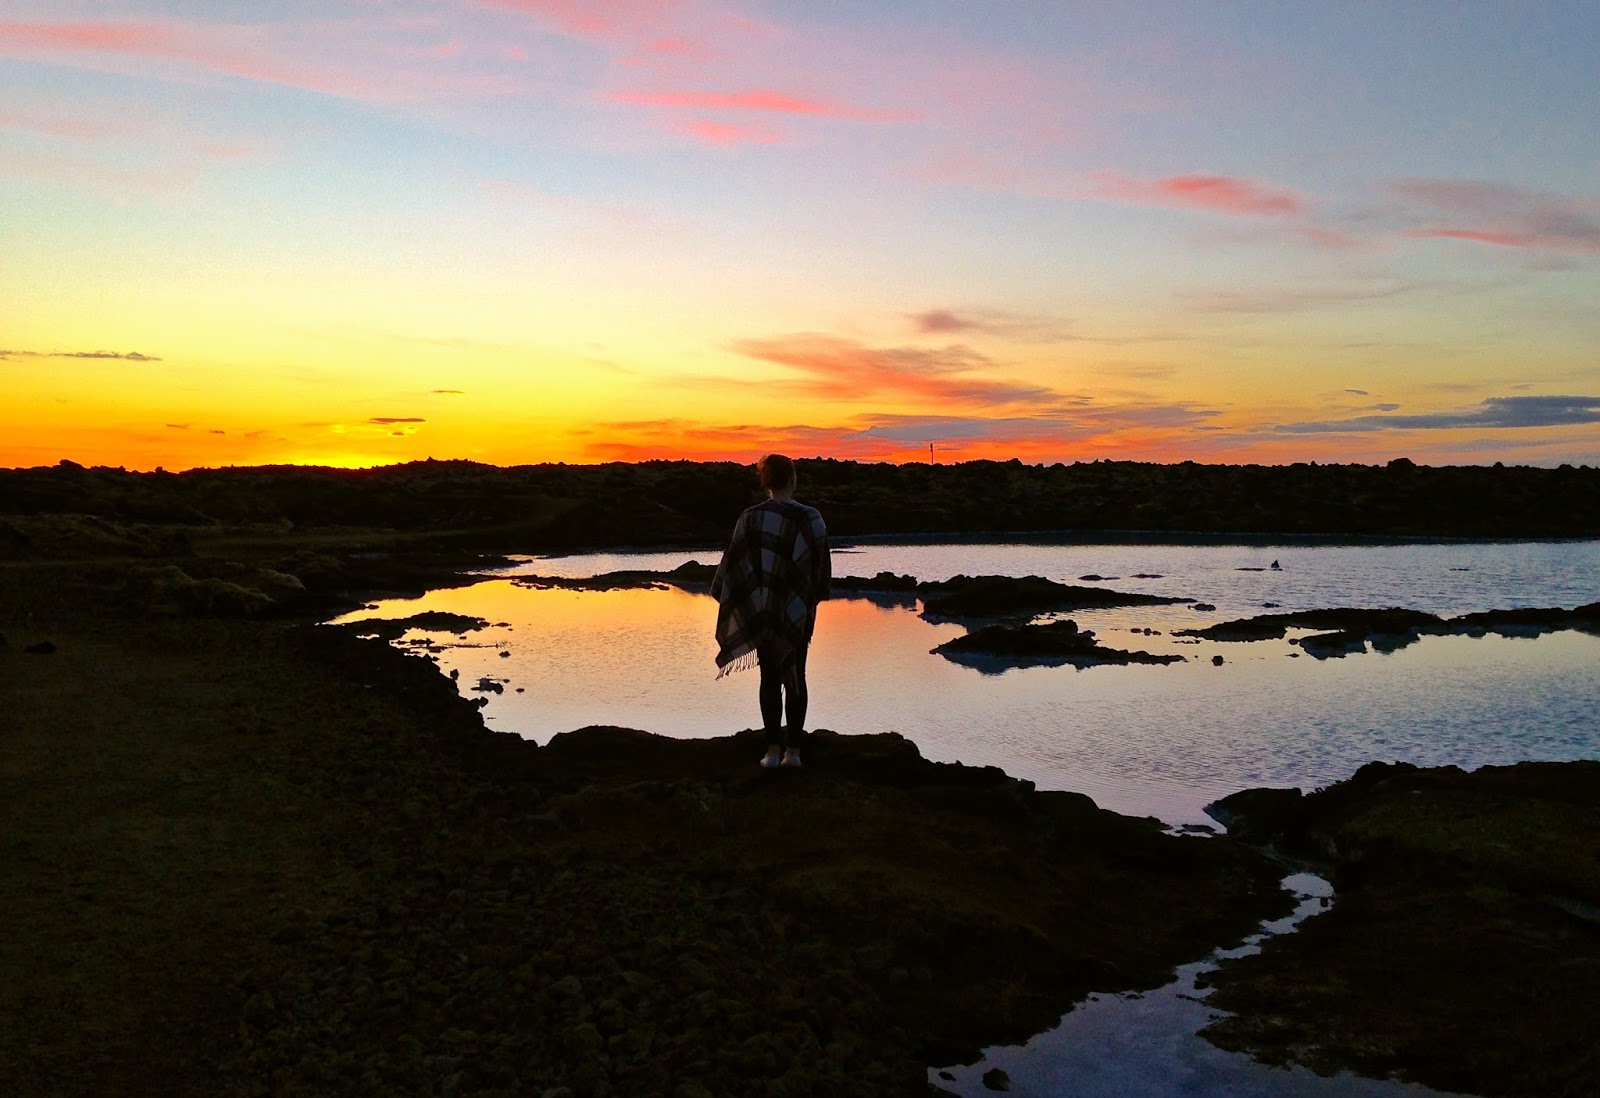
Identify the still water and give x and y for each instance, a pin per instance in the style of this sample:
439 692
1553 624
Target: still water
1160 741
1146 1044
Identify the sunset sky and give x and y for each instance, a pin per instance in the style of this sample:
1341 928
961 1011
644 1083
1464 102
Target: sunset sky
366 231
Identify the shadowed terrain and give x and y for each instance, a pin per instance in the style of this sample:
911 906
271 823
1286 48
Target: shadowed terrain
1463 950
258 856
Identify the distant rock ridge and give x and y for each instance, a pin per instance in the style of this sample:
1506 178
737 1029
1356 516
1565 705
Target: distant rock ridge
534 508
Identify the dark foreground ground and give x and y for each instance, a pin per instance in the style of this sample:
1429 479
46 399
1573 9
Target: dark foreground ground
248 855
241 854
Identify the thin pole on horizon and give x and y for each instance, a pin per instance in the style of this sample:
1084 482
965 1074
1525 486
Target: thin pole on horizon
931 460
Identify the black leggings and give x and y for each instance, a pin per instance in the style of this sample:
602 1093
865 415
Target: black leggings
782 682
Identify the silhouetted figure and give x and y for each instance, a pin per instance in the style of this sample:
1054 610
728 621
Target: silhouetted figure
1276 567
774 572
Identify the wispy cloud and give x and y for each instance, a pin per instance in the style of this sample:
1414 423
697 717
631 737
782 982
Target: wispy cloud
611 216
1216 193
943 322
897 436
845 369
1500 214
390 420
55 124
995 322
170 41
1087 421
593 19
636 440
924 429
106 144
762 101
384 60
727 134
1502 413
1290 300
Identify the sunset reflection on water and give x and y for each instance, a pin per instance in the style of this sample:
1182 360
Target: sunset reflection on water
1146 740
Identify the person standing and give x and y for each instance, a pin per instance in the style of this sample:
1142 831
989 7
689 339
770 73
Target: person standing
775 571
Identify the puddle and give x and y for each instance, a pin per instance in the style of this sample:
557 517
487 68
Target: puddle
1129 1045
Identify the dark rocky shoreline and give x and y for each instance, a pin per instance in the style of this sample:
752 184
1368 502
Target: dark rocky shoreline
999 647
402 901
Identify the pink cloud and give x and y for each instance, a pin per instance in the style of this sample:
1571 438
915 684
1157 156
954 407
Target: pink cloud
587 18
1217 193
1481 236
439 52
653 28
99 37
361 60
726 134
679 47
761 100
1331 239
171 42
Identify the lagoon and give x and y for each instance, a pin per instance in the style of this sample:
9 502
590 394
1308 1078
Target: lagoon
1161 741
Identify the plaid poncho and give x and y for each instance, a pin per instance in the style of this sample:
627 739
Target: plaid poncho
775 571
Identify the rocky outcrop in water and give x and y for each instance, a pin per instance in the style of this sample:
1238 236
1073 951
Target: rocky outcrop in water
995 648
1351 630
965 598
440 620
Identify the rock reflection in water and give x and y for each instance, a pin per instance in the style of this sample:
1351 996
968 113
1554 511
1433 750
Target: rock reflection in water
1135 1045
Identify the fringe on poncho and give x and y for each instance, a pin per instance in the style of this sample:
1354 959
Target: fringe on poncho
774 572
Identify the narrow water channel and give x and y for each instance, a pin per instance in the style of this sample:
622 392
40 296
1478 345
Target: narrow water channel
1148 1044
